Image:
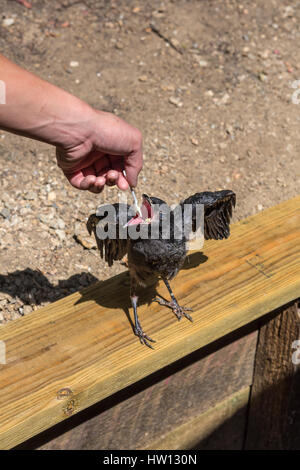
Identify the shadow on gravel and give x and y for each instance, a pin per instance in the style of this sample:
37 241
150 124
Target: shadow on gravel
33 288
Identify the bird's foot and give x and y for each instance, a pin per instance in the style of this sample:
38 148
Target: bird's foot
143 337
176 308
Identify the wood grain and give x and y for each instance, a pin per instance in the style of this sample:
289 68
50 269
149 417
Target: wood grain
274 406
167 401
84 343
196 433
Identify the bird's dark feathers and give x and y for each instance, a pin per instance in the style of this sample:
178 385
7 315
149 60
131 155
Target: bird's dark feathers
217 212
162 256
111 249
155 200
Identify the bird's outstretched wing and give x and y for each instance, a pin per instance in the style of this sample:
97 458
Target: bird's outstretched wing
107 224
217 212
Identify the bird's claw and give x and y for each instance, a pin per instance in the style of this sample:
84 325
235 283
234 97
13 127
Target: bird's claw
181 312
143 337
177 309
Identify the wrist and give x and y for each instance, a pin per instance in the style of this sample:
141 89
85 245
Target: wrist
70 126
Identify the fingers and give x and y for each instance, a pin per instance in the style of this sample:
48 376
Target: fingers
122 182
87 182
118 165
133 163
120 148
112 177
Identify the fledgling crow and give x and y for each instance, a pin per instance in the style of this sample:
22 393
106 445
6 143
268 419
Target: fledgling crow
157 247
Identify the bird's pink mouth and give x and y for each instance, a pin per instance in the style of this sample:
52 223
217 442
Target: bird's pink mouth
147 214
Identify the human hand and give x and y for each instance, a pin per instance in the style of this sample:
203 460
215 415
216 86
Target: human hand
93 147
96 155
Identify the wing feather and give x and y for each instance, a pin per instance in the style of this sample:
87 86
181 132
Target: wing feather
111 247
218 207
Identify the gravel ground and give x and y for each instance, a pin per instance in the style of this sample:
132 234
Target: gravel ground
208 82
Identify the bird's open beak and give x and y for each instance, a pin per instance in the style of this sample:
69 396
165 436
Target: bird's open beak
146 213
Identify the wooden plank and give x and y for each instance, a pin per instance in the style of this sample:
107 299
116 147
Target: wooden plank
179 392
275 406
84 342
218 428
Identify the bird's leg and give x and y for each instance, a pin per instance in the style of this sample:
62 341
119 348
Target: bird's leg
177 309
137 326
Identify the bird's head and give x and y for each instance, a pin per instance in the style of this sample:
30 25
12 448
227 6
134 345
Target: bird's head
150 210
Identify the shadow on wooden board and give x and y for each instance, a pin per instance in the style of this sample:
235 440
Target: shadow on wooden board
280 431
265 413
145 294
273 417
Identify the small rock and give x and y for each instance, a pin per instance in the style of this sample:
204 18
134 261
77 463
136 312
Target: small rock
260 207
176 101
263 77
51 196
225 98
222 159
15 220
158 13
57 224
61 234
168 87
30 195
264 54
21 311
194 141
288 11
5 213
25 210
229 129
143 78
8 21
83 241
175 42
203 63
74 63
27 309
46 219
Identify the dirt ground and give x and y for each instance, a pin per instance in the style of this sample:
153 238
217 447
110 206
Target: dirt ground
210 87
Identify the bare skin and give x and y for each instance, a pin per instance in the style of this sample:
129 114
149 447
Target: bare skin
92 147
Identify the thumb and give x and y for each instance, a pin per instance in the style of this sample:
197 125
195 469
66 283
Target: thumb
133 164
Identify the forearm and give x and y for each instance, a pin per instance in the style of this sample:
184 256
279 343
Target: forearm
93 147
37 109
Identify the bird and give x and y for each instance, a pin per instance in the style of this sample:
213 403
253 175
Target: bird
155 240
